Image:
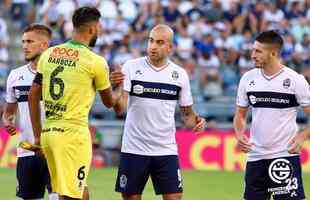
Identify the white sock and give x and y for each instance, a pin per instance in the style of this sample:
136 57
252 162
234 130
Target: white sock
53 196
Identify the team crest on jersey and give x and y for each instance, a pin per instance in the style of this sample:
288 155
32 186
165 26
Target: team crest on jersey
286 83
175 75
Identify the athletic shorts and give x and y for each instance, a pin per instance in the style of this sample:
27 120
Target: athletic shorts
68 153
279 177
32 177
134 171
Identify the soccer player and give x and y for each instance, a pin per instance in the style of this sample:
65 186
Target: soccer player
32 171
153 86
68 77
274 92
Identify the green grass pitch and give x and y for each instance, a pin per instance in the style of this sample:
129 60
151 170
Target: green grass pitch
198 185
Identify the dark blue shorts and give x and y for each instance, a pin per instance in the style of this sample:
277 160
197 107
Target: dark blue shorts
134 171
279 177
32 176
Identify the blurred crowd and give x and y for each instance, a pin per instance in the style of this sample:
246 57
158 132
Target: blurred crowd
213 38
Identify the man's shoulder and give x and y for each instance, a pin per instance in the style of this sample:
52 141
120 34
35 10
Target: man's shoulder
252 73
175 68
291 72
135 61
20 69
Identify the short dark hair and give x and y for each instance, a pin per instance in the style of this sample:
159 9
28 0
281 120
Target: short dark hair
84 15
270 37
40 28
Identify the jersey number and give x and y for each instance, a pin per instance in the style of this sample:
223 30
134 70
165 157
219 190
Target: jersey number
56 81
81 173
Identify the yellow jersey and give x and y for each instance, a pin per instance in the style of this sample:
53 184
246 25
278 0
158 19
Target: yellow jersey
72 74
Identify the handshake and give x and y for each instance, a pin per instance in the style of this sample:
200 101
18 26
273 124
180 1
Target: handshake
28 146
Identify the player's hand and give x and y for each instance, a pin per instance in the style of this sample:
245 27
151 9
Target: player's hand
117 78
9 125
28 146
243 144
31 147
296 143
200 124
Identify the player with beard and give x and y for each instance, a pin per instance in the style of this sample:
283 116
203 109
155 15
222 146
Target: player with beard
32 172
68 77
274 92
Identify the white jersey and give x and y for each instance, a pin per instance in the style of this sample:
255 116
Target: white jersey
274 101
18 85
153 95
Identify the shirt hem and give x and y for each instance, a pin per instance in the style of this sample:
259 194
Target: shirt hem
149 154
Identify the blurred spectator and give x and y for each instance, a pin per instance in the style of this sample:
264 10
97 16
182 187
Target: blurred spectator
244 62
171 12
302 50
296 11
108 9
4 39
272 16
185 45
18 11
212 86
215 12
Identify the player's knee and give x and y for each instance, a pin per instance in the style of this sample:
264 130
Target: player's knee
131 197
174 196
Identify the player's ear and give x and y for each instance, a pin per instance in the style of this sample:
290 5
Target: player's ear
275 53
92 28
45 44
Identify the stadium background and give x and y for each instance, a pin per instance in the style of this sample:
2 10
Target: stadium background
212 42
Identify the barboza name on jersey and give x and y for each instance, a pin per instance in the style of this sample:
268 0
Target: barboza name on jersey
62 61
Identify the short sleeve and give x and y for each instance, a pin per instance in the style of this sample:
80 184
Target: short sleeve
10 95
242 99
101 78
302 91
126 72
186 98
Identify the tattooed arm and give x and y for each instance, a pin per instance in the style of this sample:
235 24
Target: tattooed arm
191 119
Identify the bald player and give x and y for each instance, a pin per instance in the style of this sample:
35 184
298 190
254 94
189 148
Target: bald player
153 86
31 171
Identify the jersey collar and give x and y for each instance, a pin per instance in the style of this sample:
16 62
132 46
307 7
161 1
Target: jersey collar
30 69
157 69
268 78
77 43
